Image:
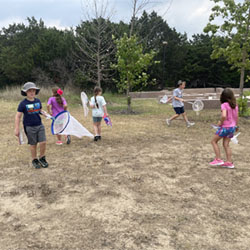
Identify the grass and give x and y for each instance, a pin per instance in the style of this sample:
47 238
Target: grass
143 186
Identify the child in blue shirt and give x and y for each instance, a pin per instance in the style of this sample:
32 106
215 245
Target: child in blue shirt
31 109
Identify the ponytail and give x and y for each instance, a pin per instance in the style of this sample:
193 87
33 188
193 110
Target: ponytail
97 90
57 94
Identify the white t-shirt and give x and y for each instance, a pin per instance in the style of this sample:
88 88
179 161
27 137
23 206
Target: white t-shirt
98 112
176 103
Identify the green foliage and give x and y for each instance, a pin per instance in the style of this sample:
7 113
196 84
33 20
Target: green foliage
132 63
243 106
34 52
236 33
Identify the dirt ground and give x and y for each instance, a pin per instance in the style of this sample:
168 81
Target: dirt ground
144 186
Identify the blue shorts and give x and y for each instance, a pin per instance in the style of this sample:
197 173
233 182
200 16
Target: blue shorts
97 119
179 110
226 132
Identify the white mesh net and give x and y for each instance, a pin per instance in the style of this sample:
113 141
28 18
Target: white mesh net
84 99
65 124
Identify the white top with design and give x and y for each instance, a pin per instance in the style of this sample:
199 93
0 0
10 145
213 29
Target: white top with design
98 112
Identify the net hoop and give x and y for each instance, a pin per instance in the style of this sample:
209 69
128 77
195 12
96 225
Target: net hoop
197 106
54 122
164 99
84 99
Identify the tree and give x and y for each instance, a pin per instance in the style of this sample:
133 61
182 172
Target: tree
236 32
131 64
95 44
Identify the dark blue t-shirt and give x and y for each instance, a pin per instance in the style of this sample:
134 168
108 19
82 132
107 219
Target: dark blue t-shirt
30 110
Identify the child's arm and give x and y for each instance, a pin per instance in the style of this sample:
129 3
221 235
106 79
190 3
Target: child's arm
178 99
105 110
237 127
223 117
65 107
49 109
169 100
17 123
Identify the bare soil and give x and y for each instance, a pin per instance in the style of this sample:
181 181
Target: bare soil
143 186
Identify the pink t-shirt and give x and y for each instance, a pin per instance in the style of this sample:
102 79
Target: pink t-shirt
232 115
55 106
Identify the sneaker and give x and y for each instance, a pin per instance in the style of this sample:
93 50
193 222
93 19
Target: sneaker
216 162
59 143
189 124
43 162
227 164
99 137
68 140
96 138
36 163
168 122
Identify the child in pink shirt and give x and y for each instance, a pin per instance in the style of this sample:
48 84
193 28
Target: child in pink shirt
55 105
228 124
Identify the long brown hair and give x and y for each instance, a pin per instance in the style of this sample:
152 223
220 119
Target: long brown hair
228 96
97 90
57 96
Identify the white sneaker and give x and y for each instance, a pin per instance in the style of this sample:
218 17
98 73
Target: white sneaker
189 124
168 122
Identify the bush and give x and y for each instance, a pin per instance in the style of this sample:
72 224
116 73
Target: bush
242 103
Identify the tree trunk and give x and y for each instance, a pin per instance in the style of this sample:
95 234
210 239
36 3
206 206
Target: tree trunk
242 71
129 109
98 62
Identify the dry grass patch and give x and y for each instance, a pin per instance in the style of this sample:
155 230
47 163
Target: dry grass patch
144 186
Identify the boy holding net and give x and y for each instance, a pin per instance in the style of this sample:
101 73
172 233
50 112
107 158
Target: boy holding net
178 105
31 109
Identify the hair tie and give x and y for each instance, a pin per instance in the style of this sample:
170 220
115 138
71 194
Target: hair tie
59 92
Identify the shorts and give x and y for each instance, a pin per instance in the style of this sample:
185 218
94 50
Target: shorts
97 119
226 132
179 110
35 134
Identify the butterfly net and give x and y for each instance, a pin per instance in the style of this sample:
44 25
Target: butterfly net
65 124
164 99
84 99
60 123
197 106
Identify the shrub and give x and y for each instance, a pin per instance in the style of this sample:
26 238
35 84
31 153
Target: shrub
243 106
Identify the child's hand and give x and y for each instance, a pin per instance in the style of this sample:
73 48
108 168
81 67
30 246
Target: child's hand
17 132
219 123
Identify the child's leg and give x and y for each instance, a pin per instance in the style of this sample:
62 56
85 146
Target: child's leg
42 148
185 117
99 128
216 148
33 149
59 137
227 149
174 117
95 124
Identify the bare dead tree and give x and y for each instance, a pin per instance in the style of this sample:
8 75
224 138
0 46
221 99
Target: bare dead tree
94 41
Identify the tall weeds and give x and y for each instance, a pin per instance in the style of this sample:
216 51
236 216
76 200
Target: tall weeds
14 93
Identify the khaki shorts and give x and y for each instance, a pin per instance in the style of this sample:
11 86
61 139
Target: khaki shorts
35 134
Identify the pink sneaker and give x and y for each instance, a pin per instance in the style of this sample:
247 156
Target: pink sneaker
228 164
59 143
216 162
